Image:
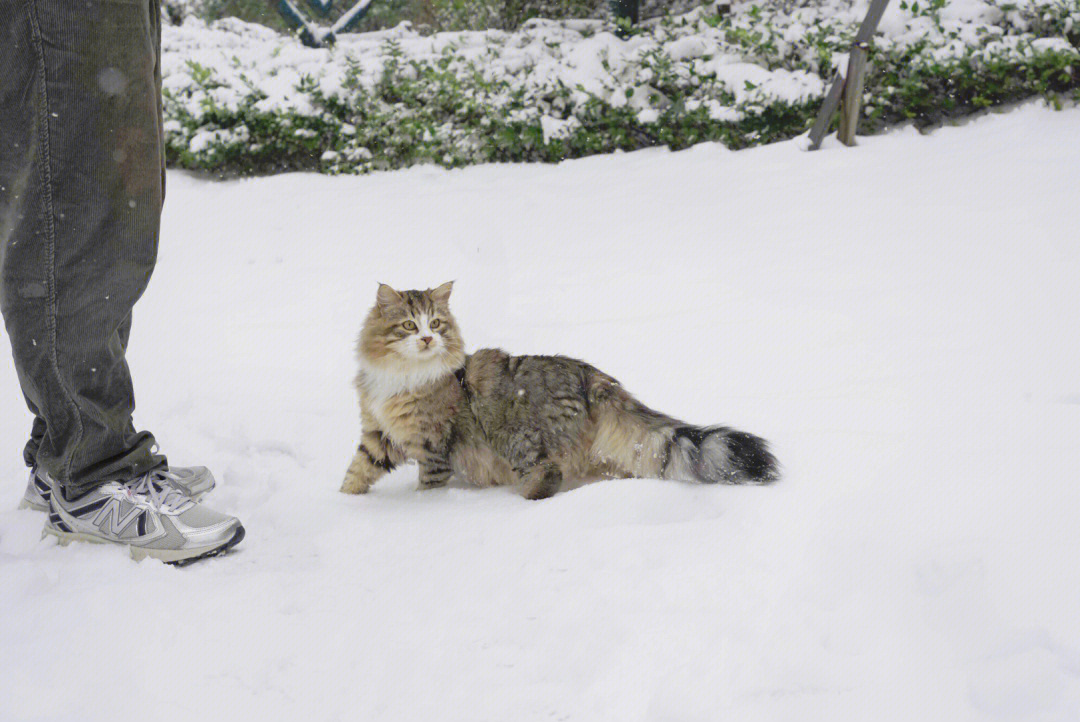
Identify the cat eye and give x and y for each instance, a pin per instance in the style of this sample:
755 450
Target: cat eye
409 326
435 324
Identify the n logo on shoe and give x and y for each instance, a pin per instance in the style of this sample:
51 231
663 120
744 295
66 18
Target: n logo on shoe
110 514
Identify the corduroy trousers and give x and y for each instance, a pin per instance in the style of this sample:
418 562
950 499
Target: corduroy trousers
82 180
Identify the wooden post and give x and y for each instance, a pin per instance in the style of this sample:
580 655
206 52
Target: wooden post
850 85
825 115
853 88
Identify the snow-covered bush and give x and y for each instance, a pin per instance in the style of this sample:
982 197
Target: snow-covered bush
242 98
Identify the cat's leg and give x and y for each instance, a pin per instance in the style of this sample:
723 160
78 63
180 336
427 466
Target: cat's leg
435 471
374 458
541 480
481 466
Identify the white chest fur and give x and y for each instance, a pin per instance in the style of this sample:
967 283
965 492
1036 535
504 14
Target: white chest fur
380 383
404 399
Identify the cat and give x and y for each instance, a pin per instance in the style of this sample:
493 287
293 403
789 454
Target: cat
490 418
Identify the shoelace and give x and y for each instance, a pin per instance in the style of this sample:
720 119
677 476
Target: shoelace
156 491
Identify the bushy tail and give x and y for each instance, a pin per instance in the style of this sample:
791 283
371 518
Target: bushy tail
716 453
634 440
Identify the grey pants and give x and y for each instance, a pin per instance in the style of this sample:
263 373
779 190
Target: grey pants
82 180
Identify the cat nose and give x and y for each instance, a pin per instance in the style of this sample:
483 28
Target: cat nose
427 340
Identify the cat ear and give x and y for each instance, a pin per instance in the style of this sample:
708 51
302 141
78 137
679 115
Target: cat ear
442 293
387 297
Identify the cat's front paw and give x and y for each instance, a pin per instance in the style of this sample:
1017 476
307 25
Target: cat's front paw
353 485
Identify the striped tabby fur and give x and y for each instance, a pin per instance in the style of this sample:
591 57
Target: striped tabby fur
492 419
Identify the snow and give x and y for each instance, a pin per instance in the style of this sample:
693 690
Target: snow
898 319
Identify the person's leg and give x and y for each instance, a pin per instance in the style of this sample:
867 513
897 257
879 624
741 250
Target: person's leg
81 187
37 434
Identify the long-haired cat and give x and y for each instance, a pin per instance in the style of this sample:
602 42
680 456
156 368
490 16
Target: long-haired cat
491 418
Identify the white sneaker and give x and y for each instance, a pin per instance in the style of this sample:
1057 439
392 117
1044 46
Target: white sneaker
195 481
151 517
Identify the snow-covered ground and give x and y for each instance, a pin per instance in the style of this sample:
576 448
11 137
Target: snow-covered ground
899 319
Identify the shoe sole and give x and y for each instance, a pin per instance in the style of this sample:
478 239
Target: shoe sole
237 537
175 557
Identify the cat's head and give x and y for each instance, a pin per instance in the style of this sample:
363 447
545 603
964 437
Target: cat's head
412 328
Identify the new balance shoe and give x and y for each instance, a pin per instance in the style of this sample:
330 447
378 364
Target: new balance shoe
195 481
150 517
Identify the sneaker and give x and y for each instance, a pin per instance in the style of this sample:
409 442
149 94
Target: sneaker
150 517
195 481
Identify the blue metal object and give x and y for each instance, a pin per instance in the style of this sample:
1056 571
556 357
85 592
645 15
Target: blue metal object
626 9
321 6
316 36
626 14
